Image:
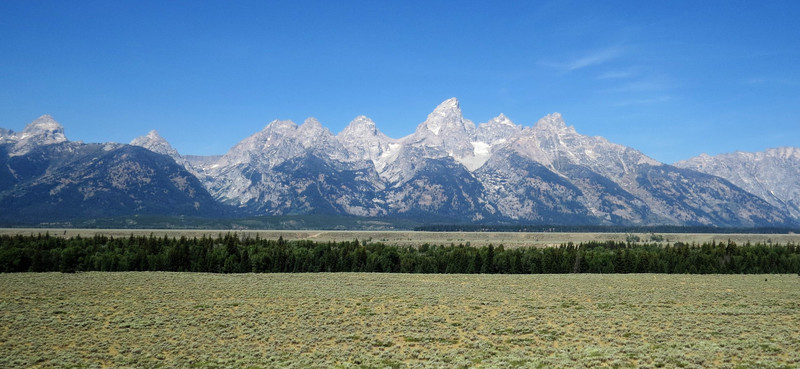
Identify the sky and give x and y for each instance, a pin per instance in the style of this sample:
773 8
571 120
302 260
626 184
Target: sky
673 79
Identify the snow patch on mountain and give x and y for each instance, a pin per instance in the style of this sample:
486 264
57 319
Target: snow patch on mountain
451 169
365 142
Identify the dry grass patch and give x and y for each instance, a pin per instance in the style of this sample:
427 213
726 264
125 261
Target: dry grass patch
154 320
415 238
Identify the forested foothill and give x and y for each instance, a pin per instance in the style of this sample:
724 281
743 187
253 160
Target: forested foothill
230 253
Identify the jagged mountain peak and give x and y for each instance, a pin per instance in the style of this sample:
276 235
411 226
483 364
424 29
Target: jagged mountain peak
7 135
502 119
312 131
771 174
500 123
45 127
280 126
46 120
780 153
552 122
365 142
158 144
558 147
498 171
451 103
785 152
151 136
446 119
312 123
252 147
312 135
360 123
497 130
360 126
279 141
42 131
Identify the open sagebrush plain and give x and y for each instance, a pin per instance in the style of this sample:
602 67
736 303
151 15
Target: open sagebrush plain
416 238
350 320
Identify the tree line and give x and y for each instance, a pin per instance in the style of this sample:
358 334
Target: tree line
229 253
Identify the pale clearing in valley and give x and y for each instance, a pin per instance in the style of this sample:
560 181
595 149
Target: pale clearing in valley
416 238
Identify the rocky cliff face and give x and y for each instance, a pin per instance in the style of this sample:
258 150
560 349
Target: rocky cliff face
42 131
451 169
448 170
43 176
157 144
773 175
291 169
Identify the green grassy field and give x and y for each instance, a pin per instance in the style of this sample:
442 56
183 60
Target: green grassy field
415 238
155 320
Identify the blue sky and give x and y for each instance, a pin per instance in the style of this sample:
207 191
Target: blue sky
671 78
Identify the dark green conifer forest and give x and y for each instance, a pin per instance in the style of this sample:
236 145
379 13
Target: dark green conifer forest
229 253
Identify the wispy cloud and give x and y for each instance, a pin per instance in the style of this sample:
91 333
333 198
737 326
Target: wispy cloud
593 58
619 74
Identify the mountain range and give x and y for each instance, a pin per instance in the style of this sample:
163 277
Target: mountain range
46 178
449 170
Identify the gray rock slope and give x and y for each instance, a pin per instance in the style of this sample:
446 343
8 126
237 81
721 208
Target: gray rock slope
449 169
773 175
45 177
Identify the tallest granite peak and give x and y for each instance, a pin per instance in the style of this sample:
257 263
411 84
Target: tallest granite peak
447 117
451 103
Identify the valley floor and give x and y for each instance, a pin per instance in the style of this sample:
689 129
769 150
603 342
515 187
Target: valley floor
144 319
415 238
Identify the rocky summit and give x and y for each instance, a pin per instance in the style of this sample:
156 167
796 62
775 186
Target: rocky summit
46 178
773 175
448 171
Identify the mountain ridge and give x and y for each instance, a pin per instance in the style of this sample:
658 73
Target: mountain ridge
449 168
771 174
